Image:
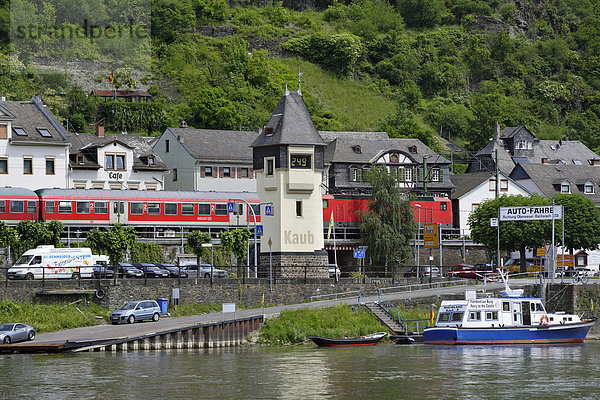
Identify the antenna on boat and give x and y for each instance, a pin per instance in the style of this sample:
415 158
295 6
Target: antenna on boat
508 292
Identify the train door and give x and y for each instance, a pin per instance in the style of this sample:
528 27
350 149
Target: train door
118 212
238 216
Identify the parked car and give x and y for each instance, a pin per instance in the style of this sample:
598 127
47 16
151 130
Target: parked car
482 270
174 270
462 271
129 271
203 271
103 272
12 333
136 311
423 271
151 270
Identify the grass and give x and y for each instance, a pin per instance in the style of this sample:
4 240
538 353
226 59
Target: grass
49 318
186 310
292 327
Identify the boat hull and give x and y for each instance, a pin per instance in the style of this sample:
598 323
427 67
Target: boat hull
566 333
369 340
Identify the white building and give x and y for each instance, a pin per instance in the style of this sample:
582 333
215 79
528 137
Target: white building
114 162
34 151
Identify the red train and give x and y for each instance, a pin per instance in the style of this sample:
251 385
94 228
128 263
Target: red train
88 207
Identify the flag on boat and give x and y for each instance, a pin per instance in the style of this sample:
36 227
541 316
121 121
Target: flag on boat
330 226
431 317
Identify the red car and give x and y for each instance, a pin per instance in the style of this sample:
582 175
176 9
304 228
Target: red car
463 271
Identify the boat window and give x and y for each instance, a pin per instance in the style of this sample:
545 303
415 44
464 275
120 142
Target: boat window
539 307
457 316
505 306
532 306
475 316
551 318
444 317
491 315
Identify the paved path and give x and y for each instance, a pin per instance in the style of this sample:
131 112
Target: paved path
167 324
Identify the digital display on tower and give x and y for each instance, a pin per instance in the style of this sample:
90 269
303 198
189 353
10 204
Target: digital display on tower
300 161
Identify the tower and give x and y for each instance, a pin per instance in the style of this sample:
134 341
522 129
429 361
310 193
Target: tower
288 162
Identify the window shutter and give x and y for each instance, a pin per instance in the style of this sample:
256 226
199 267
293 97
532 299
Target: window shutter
221 172
251 173
202 172
3 132
239 172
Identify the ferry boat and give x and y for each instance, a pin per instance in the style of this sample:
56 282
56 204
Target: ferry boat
511 319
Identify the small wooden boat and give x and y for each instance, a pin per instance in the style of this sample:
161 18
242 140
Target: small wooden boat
368 340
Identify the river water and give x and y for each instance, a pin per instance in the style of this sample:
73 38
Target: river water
385 371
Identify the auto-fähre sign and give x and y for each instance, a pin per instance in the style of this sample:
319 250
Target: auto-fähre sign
530 213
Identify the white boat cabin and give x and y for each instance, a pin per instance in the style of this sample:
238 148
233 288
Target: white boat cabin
499 312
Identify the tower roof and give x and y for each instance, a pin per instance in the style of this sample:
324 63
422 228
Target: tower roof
290 124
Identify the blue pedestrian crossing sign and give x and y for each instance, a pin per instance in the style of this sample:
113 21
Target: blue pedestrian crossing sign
230 207
268 210
259 230
359 254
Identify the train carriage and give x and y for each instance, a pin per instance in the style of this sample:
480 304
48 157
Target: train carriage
18 204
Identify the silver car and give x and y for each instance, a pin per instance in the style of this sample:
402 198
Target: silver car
136 311
11 333
203 271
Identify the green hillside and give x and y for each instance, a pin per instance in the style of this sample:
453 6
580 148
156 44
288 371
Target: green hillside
409 67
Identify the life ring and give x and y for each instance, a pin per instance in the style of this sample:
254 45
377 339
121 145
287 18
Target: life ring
544 320
100 293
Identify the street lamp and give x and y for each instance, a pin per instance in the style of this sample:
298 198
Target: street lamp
418 232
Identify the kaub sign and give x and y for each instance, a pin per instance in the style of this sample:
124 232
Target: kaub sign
530 213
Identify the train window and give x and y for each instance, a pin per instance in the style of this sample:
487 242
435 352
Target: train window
443 206
153 208
220 209
256 208
50 207
136 208
2 206
101 207
187 208
171 208
239 210
82 207
325 203
203 209
31 207
65 207
17 206
119 207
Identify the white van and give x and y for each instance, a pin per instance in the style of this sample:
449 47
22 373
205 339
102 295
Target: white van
49 262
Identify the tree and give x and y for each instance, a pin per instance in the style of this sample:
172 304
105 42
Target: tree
236 241
582 221
513 234
8 236
32 234
389 223
195 241
114 243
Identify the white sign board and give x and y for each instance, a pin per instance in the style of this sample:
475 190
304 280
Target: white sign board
175 293
228 307
530 213
493 221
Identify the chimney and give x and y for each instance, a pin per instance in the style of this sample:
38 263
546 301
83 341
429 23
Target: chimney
497 131
100 131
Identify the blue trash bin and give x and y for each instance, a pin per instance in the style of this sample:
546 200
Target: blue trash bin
163 304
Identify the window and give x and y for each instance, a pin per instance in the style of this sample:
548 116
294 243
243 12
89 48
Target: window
492 185
49 166
577 162
220 209
49 207
44 132
355 174
239 210
2 206
245 173
409 174
115 161
174 174
505 306
298 208
588 188
444 317
153 208
474 206
3 165
203 209
65 207
443 206
166 146
121 161
17 206
457 316
187 209
136 208
79 159
256 208
401 174
436 175
83 207
475 316
565 187
110 162
101 207
208 171
19 131
269 131
171 208
151 161
491 315
325 204
270 166
503 185
227 172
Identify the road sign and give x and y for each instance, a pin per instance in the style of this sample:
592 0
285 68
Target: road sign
259 230
530 213
430 235
547 248
493 222
569 260
268 210
359 254
230 207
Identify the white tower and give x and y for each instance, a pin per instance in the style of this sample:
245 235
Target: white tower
288 162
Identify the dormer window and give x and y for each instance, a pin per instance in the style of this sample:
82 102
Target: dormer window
44 132
356 149
19 131
79 159
412 149
565 187
588 188
577 162
544 160
151 161
269 131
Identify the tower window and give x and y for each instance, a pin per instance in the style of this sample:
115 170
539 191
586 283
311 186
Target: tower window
270 166
298 208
